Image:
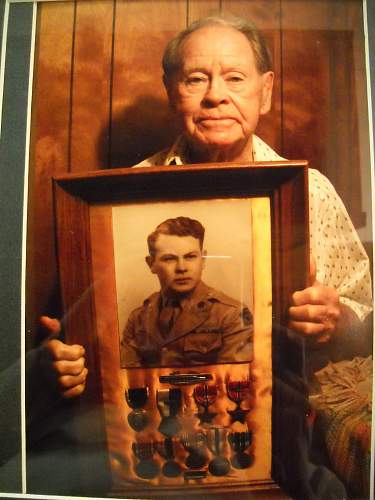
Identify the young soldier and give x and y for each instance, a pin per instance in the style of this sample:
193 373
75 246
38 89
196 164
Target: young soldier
186 322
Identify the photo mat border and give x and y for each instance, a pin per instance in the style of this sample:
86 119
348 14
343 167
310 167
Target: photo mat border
13 208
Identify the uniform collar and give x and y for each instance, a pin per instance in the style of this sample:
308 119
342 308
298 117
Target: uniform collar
199 293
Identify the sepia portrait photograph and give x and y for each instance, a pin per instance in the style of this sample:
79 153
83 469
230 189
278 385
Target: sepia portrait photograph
184 283
187 259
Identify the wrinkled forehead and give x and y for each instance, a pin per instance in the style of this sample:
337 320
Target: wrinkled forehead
216 43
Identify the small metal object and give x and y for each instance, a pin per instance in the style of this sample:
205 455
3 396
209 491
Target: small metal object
169 403
195 443
205 395
238 391
147 468
171 468
239 442
195 474
220 465
136 399
185 378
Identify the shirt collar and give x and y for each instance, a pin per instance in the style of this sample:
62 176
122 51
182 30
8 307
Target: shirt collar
177 155
199 293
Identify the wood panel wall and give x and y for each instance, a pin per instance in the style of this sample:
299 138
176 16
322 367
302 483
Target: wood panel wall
98 101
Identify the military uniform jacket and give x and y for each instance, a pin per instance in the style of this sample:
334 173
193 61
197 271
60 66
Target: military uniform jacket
211 328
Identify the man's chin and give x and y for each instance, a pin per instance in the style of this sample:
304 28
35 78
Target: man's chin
182 288
219 140
215 141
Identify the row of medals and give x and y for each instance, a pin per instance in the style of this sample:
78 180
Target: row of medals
169 402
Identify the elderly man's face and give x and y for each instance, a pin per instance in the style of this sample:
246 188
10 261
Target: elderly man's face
218 91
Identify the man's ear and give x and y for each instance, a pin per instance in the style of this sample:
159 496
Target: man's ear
204 254
149 261
168 84
266 92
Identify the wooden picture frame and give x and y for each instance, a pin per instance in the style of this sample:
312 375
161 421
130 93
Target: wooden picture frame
83 210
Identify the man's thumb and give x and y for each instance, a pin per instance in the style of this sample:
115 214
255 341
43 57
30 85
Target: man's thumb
50 327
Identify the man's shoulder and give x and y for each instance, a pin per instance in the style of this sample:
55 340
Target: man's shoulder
263 152
319 184
228 305
214 295
150 301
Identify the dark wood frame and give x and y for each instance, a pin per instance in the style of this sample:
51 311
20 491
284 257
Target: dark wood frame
285 183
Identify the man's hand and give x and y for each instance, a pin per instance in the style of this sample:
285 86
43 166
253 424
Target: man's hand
316 311
64 364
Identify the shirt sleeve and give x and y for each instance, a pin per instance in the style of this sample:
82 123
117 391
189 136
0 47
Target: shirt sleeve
341 260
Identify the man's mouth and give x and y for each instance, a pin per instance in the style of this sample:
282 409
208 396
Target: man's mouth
214 122
216 119
182 281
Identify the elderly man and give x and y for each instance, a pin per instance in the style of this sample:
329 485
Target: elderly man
219 79
187 322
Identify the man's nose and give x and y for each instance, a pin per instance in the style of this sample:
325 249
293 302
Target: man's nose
216 92
181 265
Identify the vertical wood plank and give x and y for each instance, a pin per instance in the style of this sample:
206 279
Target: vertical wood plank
306 95
141 123
202 8
320 14
265 14
49 150
91 89
323 115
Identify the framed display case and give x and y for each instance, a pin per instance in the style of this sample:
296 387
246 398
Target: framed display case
194 414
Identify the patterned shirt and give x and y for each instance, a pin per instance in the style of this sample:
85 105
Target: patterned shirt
341 260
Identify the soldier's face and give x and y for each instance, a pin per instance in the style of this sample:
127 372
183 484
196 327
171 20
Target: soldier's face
218 93
178 263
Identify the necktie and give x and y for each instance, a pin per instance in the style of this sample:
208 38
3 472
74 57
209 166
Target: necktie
168 316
